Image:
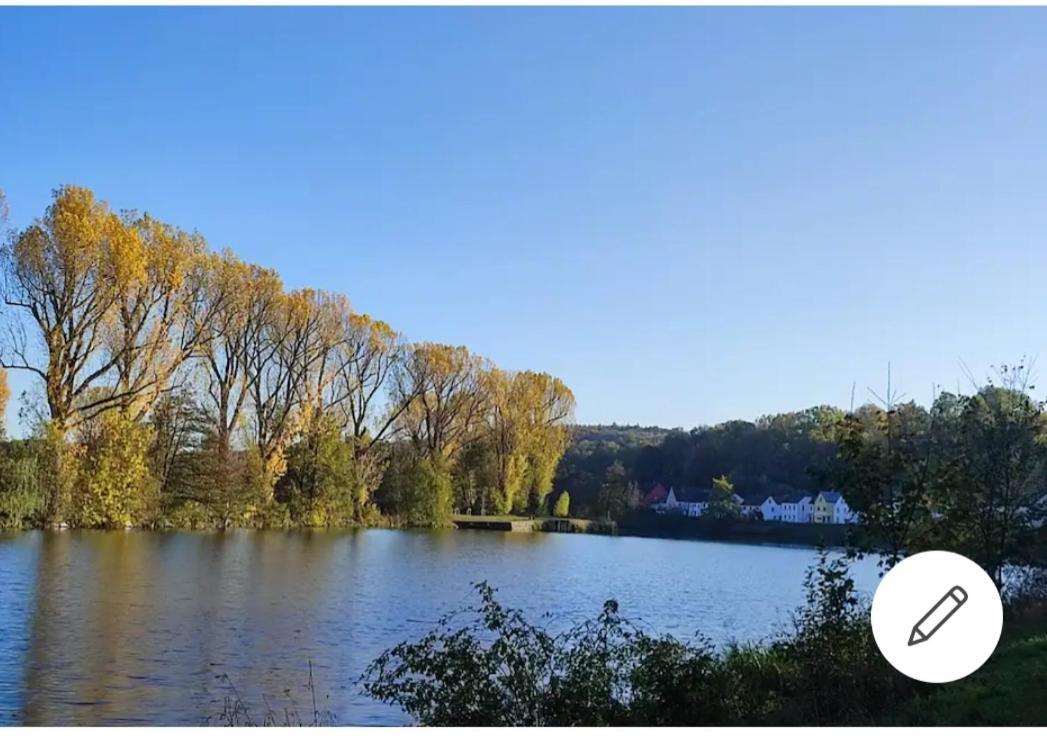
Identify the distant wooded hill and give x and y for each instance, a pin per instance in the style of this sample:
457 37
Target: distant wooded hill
775 453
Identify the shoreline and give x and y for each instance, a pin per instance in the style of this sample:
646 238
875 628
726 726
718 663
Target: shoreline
775 534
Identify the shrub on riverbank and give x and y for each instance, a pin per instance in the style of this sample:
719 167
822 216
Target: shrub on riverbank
497 669
500 670
22 494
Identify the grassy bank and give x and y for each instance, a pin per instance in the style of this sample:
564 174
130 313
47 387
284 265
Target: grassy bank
1006 691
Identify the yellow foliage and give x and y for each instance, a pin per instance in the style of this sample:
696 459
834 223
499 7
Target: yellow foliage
5 394
116 487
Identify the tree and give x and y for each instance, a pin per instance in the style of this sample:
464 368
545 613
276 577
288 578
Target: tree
286 368
430 494
562 508
992 492
61 276
159 311
887 466
613 491
5 394
442 389
318 484
116 488
527 423
508 434
723 504
361 395
240 298
476 483
179 425
550 405
174 374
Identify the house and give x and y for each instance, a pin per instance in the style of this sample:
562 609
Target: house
797 508
771 510
690 501
655 496
823 507
760 506
686 500
839 511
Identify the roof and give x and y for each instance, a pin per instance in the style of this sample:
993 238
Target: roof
793 498
657 494
831 496
756 499
690 494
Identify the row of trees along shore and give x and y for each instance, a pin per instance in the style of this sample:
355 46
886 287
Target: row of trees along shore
967 473
183 386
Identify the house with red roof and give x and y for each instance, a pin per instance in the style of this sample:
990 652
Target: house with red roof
655 496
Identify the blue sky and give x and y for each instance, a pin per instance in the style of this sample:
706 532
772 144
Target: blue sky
688 214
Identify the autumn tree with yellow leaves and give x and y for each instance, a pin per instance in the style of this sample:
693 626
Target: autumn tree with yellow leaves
182 386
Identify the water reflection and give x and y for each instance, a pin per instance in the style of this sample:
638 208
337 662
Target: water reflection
137 627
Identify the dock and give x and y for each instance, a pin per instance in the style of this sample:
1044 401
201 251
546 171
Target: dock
541 524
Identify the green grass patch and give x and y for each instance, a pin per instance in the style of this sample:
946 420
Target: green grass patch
1007 691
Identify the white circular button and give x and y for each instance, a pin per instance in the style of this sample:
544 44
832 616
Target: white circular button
937 616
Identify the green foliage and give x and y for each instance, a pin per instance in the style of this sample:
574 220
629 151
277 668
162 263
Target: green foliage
220 486
723 504
562 508
778 453
886 468
417 491
613 499
22 492
1000 694
500 670
59 465
968 475
476 484
433 494
991 492
319 482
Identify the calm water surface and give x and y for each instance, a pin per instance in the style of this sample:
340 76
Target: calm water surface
101 628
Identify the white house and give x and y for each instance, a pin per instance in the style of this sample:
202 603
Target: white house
760 507
824 507
771 509
797 508
686 500
842 513
689 501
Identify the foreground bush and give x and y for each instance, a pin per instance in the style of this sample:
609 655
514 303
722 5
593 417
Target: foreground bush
500 670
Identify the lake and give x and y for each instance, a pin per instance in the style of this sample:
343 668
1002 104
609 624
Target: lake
121 628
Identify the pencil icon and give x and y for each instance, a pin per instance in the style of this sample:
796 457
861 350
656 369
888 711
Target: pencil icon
940 612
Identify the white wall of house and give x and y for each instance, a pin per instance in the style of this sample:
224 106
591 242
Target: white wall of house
842 513
771 510
797 512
